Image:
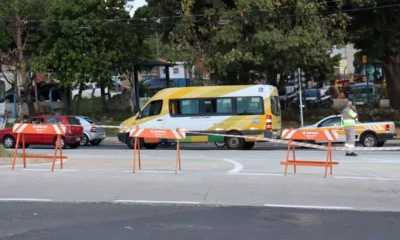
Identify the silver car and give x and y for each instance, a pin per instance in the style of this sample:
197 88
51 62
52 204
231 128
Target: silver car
92 134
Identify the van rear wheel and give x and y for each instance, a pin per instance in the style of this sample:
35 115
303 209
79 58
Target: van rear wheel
234 143
248 145
150 145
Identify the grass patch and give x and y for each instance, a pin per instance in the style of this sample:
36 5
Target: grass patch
4 153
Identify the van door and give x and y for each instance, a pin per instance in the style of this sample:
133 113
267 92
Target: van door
150 116
183 114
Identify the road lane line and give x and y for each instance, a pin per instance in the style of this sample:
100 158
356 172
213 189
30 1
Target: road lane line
238 166
149 201
151 171
49 170
367 178
308 206
258 174
24 200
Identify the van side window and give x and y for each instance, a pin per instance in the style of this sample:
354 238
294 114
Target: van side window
184 107
275 106
152 109
249 106
219 106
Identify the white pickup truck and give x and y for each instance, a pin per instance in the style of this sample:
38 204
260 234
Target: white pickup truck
88 91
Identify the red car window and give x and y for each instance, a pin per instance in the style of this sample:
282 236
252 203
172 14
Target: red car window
35 121
53 120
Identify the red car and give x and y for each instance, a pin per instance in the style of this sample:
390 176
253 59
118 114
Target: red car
72 138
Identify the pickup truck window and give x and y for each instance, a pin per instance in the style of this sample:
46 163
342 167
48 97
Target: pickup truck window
336 121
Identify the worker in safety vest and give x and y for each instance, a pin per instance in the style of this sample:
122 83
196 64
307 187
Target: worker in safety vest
349 119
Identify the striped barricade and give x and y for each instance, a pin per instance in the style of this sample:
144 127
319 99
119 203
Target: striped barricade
155 133
309 135
22 129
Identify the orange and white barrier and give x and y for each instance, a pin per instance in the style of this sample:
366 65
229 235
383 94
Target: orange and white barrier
22 129
313 135
154 133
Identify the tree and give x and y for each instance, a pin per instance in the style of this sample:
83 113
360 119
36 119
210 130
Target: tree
15 16
242 39
375 29
87 40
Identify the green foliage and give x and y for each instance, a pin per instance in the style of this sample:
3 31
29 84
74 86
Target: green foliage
377 32
240 39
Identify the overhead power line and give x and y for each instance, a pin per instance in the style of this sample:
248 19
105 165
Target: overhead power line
145 22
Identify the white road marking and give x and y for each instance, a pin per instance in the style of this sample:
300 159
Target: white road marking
238 166
148 201
307 206
367 178
258 174
151 171
49 170
24 200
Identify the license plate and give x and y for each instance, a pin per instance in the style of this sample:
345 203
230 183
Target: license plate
78 139
102 135
359 103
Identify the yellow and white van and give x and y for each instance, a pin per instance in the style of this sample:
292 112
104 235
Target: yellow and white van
249 110
369 134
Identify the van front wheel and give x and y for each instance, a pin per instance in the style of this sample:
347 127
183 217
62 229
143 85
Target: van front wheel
131 143
234 143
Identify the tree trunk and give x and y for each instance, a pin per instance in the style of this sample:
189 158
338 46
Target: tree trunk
103 98
272 76
78 101
391 66
22 64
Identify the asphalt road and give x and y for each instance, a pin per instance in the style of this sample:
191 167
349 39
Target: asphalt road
49 221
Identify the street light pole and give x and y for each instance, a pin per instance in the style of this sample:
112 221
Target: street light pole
301 98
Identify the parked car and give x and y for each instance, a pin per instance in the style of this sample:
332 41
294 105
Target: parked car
92 134
364 94
72 137
311 95
87 91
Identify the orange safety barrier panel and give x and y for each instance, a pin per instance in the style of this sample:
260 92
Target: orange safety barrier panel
307 135
155 133
22 129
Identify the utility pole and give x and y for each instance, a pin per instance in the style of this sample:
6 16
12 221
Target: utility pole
300 84
158 47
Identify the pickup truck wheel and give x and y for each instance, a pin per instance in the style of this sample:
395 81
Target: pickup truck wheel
369 140
381 143
9 141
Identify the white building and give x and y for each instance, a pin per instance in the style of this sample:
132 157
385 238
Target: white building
346 66
176 71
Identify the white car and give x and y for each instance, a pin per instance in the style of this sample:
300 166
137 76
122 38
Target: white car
88 91
92 134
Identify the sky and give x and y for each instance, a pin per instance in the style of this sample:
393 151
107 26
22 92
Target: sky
136 4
